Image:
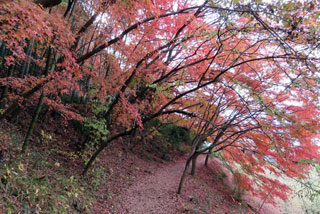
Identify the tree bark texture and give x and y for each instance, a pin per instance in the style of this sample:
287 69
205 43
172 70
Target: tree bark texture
207 157
33 123
194 163
184 174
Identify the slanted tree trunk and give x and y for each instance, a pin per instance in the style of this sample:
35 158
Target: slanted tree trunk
184 174
192 158
92 159
33 123
194 163
83 29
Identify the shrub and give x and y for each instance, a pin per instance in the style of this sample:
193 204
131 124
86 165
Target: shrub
175 135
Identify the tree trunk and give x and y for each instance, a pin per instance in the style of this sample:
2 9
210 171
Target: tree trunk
3 96
184 174
69 7
14 109
26 63
93 157
105 144
2 49
82 146
194 163
33 123
84 29
207 157
48 62
5 88
72 96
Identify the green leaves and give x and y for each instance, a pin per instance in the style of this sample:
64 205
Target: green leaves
98 128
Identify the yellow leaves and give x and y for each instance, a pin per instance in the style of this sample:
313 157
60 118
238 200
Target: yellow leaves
147 6
238 1
290 5
8 171
21 167
154 131
312 22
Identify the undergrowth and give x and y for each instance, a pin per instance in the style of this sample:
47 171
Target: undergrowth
38 183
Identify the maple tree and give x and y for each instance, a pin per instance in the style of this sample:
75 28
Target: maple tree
246 74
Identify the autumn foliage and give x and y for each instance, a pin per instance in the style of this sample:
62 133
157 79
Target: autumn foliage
243 77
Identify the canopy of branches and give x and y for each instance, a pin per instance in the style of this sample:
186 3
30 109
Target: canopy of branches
242 75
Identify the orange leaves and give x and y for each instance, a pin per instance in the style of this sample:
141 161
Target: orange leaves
262 146
128 112
242 181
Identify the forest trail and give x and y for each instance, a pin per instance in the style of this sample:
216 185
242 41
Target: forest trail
155 193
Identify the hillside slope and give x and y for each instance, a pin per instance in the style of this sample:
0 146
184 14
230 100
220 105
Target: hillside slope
121 182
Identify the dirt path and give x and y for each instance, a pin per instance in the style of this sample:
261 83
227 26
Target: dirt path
142 186
155 193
